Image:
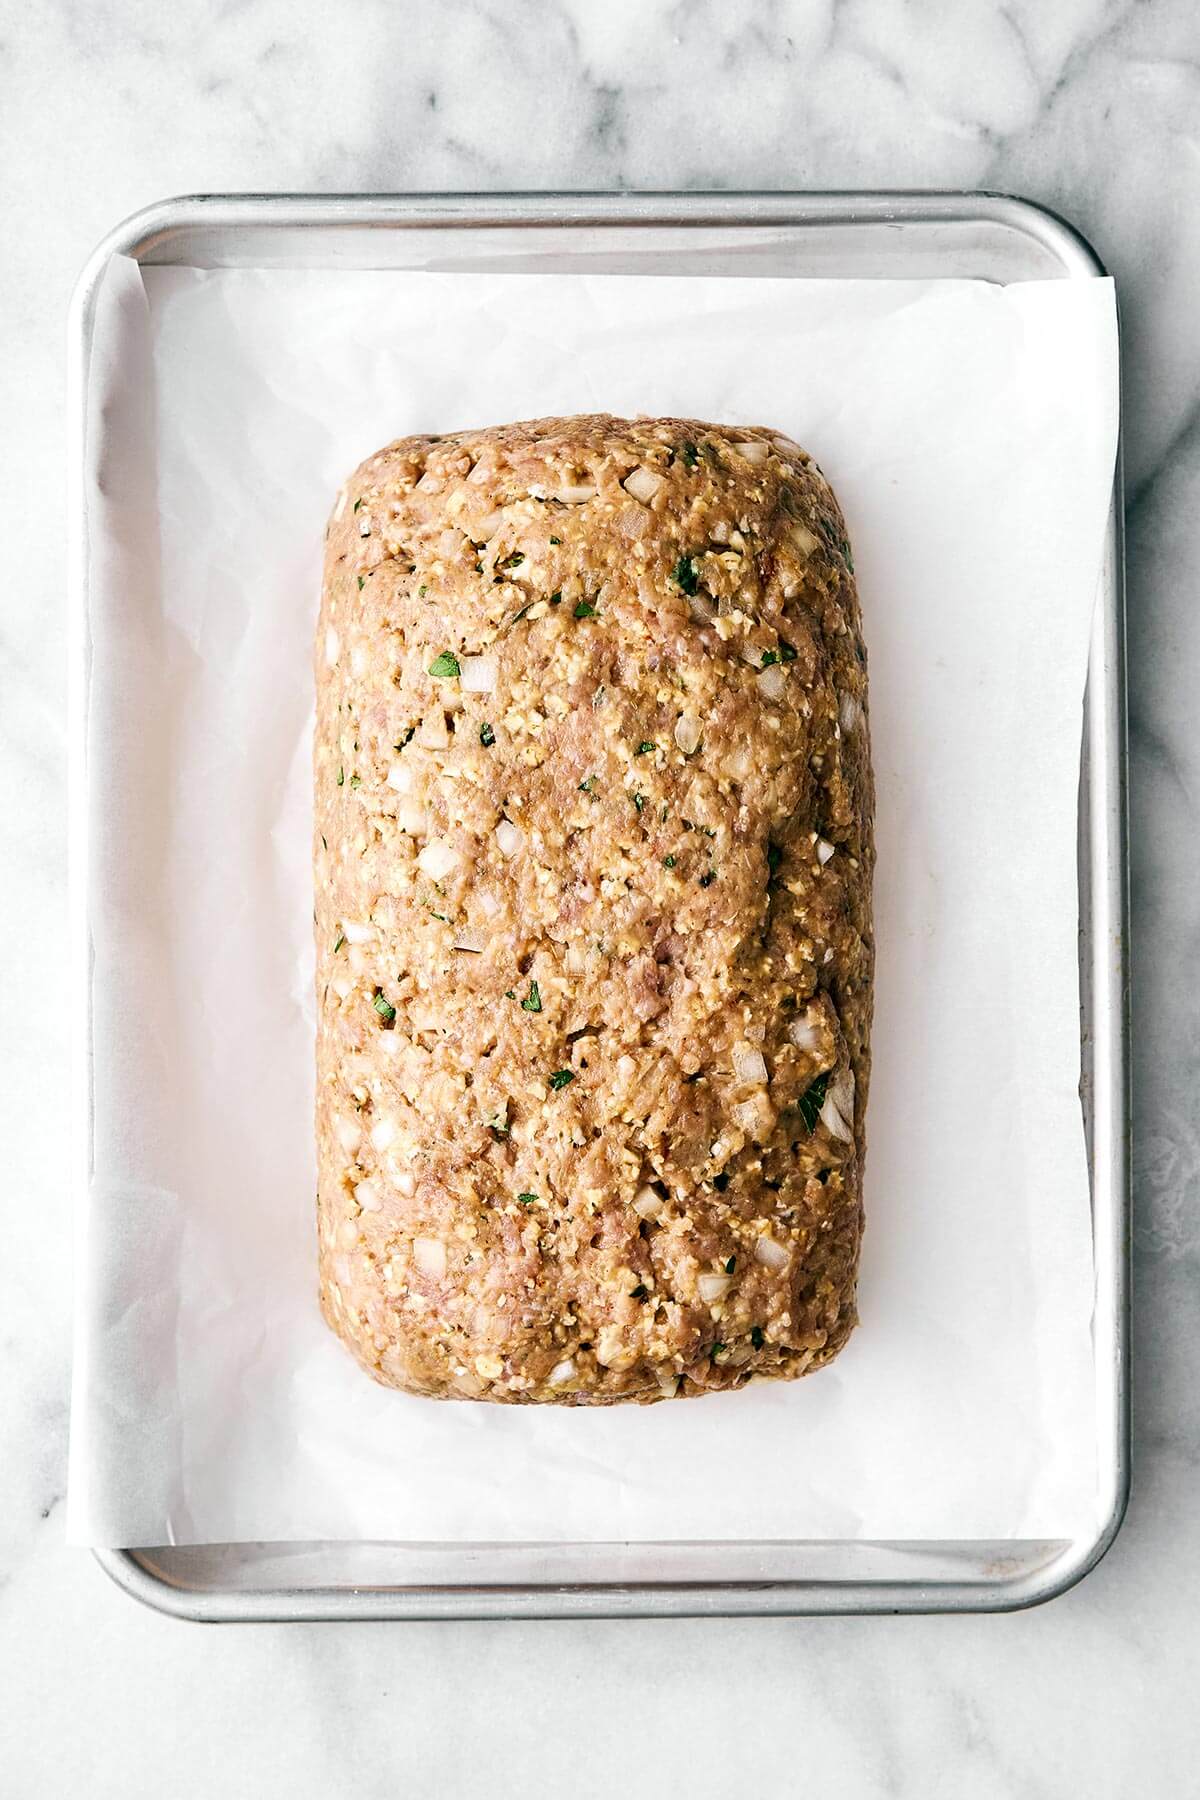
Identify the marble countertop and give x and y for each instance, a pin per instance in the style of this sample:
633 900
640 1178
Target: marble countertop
1091 107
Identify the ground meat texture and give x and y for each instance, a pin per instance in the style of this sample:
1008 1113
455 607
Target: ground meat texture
593 863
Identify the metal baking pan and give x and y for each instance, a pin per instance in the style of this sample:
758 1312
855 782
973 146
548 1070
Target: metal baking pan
897 235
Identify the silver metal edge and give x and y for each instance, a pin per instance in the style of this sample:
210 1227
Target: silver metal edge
138 236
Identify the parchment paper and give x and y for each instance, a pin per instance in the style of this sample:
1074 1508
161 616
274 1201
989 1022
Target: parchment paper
969 432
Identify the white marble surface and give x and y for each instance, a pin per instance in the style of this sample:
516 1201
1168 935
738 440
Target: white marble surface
1093 108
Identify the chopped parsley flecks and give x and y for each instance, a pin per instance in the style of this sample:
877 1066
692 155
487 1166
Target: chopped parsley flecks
639 800
555 598
356 781
562 1078
498 1125
690 455
533 1000
668 862
487 736
769 657
341 940
786 653
686 575
422 591
584 609
645 748
384 1007
731 1265
846 556
718 1349
756 1336
341 780
357 503
640 1292
526 1199
445 666
812 1100
512 562
509 994
362 582
556 540
707 879
588 786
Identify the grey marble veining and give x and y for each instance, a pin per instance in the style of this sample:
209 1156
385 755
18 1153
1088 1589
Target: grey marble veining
1090 107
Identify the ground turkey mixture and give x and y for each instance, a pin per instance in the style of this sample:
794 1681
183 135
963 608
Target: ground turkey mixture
593 862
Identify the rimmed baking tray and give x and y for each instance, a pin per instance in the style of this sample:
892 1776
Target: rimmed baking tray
894 235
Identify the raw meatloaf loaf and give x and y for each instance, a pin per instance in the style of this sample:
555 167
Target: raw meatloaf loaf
593 873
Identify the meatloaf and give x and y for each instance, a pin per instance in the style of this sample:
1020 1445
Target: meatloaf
593 863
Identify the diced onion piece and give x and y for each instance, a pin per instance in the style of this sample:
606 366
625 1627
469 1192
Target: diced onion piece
824 851
437 859
837 1114
771 682
562 1372
432 733
368 1196
364 525
647 1202
749 1064
805 1033
803 539
508 837
488 903
712 1288
642 484
739 762
785 443
687 732
355 932
478 674
400 777
668 1380
405 1181
342 987
574 495
340 508
383 1135
332 646
343 1270
848 712
702 608
359 660
754 450
470 940
348 1133
429 1254
488 526
770 1254
411 818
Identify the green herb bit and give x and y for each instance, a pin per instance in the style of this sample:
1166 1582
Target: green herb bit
813 1099
383 1007
512 562
786 653
358 503
341 777
691 455
444 666
356 781
498 1126
362 582
556 598
731 1265
774 858
645 748
562 1078
526 1199
533 1003
340 942
487 736
668 862
640 1292
639 800
846 556
769 657
718 1349
707 879
422 591
556 540
584 609
686 574
509 994
756 1336
588 786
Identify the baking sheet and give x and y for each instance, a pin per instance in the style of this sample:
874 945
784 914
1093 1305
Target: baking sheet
970 433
